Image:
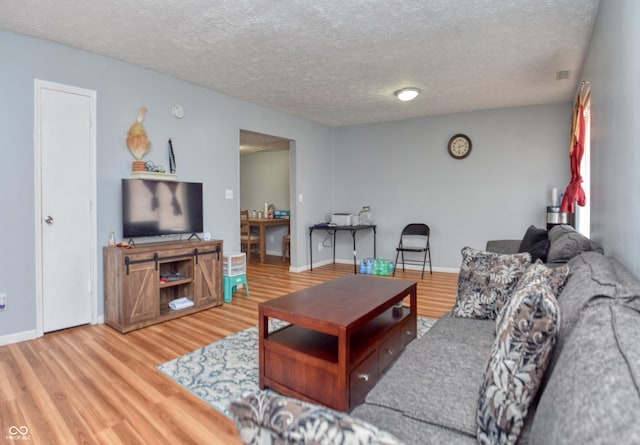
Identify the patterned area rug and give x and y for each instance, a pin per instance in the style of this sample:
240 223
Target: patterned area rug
224 370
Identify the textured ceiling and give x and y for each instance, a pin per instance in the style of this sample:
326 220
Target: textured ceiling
336 62
251 142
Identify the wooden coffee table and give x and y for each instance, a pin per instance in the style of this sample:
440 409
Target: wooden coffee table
343 335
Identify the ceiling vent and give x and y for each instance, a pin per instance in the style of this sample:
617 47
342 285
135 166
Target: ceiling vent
561 75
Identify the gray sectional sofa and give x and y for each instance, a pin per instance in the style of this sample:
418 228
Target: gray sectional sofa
589 391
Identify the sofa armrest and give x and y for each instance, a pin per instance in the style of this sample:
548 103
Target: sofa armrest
503 246
265 418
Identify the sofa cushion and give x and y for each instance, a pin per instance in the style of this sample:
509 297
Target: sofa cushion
486 280
436 379
507 246
593 392
536 242
591 277
518 360
409 430
536 274
566 243
627 285
266 417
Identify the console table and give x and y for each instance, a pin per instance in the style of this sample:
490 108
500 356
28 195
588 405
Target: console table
332 230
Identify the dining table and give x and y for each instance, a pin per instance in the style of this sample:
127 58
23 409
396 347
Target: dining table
262 224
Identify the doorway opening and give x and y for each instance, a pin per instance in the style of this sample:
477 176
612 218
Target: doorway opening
267 182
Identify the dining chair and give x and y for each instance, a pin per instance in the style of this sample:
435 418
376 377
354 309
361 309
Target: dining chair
247 237
286 247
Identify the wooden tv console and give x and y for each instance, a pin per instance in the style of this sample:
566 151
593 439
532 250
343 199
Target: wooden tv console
135 296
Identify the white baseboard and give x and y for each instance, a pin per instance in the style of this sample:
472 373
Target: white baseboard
435 269
18 337
303 268
29 335
407 267
340 261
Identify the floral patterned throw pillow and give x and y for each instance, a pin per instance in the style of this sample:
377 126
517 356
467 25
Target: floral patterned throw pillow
519 357
487 280
269 418
535 274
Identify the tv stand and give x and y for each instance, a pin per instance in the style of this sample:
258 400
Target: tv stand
137 293
194 235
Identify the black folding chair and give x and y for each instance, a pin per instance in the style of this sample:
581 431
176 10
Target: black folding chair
414 240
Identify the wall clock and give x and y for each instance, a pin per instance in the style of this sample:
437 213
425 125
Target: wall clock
459 146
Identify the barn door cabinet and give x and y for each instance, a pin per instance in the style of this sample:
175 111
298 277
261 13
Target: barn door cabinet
139 283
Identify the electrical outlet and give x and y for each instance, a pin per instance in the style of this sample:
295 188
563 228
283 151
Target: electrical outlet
3 301
319 247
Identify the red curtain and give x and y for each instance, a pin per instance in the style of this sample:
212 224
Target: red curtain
574 192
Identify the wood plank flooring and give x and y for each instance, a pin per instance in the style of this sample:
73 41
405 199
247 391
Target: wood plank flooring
93 385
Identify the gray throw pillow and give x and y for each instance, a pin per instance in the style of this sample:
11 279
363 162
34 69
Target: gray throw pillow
487 280
565 243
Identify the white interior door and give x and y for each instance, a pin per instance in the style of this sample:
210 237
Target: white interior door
65 142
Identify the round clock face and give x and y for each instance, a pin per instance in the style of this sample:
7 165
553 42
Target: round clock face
459 146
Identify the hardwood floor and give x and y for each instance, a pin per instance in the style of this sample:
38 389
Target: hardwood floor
93 385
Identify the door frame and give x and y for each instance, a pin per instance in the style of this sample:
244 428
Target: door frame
293 193
40 85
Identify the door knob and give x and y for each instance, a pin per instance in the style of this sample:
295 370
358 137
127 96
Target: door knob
49 220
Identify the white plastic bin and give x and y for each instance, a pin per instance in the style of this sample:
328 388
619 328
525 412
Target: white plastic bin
235 263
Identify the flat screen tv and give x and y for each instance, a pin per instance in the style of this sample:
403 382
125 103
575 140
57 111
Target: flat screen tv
153 208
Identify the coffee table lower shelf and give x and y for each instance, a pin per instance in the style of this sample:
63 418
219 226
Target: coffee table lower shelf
305 364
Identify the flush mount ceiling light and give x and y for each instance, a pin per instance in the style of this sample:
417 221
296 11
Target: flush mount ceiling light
408 93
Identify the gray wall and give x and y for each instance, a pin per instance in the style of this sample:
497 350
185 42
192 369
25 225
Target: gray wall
206 144
404 172
613 68
264 177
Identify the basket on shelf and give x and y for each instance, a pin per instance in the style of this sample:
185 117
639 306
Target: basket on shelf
139 166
